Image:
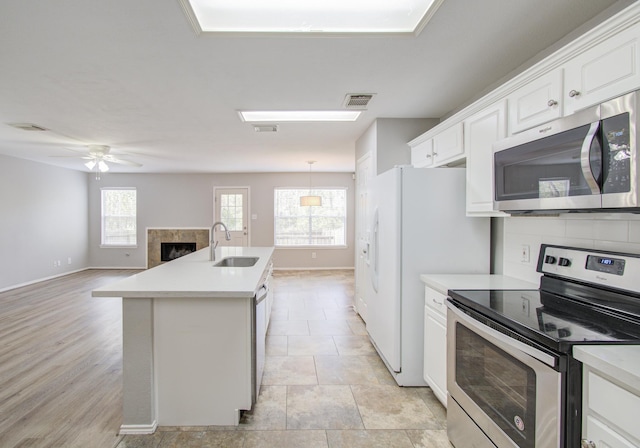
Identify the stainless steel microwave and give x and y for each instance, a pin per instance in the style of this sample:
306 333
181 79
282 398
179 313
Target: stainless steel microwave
584 162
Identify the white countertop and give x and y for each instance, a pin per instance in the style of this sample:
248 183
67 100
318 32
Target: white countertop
621 362
195 276
444 282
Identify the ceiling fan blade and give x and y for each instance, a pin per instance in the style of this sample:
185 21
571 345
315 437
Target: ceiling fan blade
112 159
74 157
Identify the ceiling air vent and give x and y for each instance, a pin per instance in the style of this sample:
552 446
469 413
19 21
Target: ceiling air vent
27 126
265 127
358 101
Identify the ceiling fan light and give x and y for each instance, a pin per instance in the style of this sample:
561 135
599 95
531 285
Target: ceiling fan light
90 164
103 166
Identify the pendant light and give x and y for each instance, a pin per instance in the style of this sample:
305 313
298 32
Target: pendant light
310 200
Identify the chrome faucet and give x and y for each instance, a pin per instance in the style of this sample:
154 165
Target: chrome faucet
213 244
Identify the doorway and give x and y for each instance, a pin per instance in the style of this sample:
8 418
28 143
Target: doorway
232 208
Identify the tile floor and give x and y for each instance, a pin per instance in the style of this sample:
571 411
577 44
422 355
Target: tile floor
324 385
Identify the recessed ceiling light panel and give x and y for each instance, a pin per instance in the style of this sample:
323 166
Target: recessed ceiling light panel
310 16
275 116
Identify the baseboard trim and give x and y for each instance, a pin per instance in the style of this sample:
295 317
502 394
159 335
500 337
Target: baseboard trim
139 429
336 268
117 267
31 282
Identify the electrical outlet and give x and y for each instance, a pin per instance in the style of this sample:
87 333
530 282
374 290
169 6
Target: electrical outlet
313 255
524 253
69 260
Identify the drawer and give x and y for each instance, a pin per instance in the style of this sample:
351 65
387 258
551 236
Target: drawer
435 300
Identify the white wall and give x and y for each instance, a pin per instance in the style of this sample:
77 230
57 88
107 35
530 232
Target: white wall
186 200
615 231
44 219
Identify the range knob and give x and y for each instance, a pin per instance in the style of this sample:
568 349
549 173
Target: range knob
550 259
564 262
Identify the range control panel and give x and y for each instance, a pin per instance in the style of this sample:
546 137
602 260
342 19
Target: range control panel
616 270
609 265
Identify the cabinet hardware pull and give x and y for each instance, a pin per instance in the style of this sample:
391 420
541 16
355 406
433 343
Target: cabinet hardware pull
552 103
574 93
436 302
428 156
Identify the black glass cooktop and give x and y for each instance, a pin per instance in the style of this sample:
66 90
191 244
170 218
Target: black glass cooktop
550 320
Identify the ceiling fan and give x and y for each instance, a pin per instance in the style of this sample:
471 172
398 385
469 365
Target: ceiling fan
98 157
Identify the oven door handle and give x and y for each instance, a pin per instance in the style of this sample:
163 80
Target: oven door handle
504 339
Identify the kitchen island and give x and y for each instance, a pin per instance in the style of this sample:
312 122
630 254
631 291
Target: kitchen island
189 339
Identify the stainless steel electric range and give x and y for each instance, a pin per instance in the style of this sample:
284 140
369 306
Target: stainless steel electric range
512 379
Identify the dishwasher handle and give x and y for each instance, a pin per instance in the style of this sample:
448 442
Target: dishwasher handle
261 294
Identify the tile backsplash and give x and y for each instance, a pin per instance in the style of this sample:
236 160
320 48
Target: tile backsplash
604 231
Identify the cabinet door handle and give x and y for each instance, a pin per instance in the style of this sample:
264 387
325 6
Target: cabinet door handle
584 443
435 153
574 93
552 103
428 156
436 302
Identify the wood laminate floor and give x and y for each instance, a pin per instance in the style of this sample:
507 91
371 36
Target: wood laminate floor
61 363
324 385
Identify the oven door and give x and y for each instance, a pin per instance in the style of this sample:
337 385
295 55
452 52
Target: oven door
507 389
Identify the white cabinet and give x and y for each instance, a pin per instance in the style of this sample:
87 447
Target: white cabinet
535 103
435 343
481 131
422 154
607 70
610 411
448 145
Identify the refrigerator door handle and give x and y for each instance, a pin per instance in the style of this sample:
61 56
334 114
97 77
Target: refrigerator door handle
374 250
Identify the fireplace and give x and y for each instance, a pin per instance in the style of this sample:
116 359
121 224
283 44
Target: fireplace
166 244
171 251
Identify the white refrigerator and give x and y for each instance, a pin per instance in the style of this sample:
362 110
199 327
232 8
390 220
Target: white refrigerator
419 226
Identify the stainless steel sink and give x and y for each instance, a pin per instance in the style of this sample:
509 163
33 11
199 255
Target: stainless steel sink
237 262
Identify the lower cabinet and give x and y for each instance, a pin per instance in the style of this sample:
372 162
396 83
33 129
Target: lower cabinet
435 343
610 413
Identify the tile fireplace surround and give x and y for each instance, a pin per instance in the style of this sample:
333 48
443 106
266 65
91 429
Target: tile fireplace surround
185 235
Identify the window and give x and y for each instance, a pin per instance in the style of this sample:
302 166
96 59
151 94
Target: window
231 211
119 217
297 226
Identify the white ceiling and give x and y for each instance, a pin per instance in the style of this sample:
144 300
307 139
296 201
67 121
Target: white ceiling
135 76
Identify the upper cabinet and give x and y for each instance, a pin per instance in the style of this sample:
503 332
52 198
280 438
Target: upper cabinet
606 70
535 103
481 131
448 145
422 154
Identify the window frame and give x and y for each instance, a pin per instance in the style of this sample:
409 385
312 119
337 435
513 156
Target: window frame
103 218
313 191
